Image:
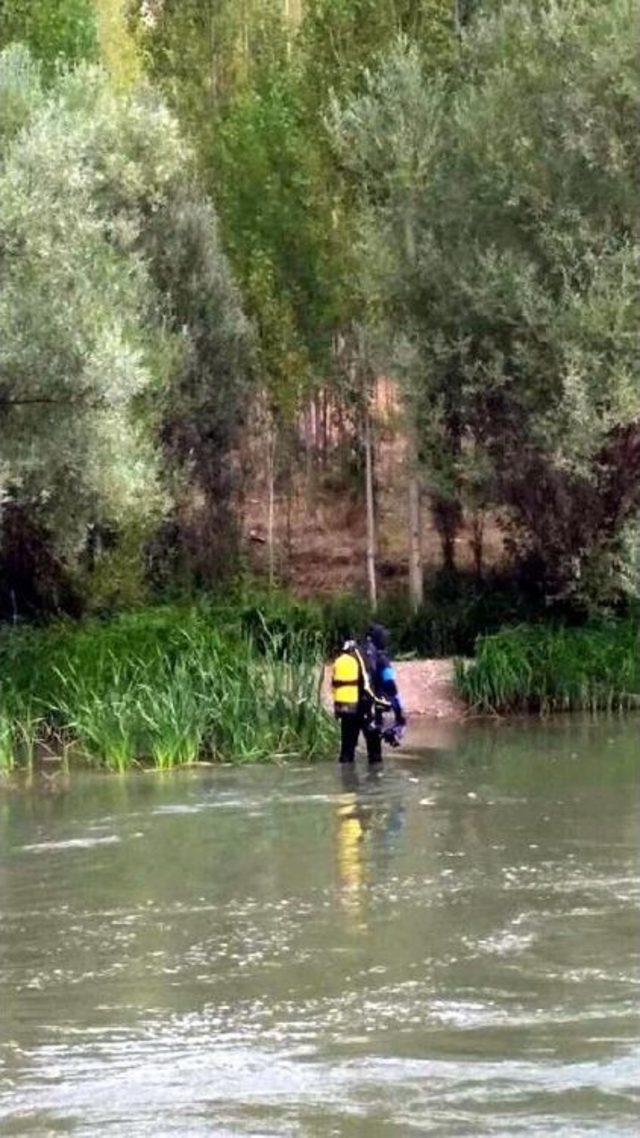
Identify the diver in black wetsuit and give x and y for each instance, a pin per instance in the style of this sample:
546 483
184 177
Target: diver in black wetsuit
377 693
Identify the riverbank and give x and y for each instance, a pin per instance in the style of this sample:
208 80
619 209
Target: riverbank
529 669
427 688
178 684
161 687
545 668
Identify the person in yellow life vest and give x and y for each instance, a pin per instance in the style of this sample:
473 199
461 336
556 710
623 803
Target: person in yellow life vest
364 688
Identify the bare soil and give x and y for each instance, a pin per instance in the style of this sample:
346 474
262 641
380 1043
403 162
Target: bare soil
320 543
427 688
319 516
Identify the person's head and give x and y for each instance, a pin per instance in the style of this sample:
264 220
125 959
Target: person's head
379 636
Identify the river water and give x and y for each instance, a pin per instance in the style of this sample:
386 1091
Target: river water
452 948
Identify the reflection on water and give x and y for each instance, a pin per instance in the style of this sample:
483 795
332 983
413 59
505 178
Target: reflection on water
368 818
448 948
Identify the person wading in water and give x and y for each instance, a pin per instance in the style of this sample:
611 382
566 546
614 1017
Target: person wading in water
364 688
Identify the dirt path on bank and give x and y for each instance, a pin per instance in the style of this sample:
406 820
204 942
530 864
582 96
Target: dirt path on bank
426 688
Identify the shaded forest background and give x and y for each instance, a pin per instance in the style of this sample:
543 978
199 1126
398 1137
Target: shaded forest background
339 292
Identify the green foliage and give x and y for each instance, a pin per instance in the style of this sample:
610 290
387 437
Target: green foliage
7 744
116 577
204 400
251 84
500 239
76 313
458 610
165 687
118 49
55 31
119 318
555 668
278 206
475 197
343 38
20 90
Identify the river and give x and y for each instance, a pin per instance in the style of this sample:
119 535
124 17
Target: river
452 948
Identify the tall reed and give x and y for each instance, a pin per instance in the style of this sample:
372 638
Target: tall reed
164 687
7 744
549 668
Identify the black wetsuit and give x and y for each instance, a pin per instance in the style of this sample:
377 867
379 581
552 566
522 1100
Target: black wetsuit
368 719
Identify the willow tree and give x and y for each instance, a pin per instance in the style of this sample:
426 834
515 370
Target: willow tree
76 351
103 349
537 243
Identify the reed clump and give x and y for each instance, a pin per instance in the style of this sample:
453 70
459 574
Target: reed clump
547 668
164 687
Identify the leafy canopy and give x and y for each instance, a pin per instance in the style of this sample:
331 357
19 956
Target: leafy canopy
500 233
55 31
96 332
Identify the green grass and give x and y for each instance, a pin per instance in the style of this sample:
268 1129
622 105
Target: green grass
163 687
7 744
238 679
547 668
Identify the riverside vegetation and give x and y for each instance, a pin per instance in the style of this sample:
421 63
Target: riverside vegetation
240 680
235 679
220 226
222 223
555 668
164 687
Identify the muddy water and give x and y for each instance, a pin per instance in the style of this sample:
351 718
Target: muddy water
450 949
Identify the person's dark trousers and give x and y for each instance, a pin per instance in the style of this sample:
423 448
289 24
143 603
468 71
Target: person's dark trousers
374 743
350 728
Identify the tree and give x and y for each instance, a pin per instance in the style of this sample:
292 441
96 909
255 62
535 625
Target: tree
75 352
234 77
251 84
55 31
387 138
523 300
104 344
118 50
204 401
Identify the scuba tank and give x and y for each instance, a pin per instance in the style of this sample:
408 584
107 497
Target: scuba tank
351 681
346 676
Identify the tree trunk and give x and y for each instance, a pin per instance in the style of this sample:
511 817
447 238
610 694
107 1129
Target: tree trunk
370 505
271 478
477 543
447 516
289 520
416 576
357 372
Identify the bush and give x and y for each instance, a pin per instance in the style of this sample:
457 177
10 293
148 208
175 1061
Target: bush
555 668
458 610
